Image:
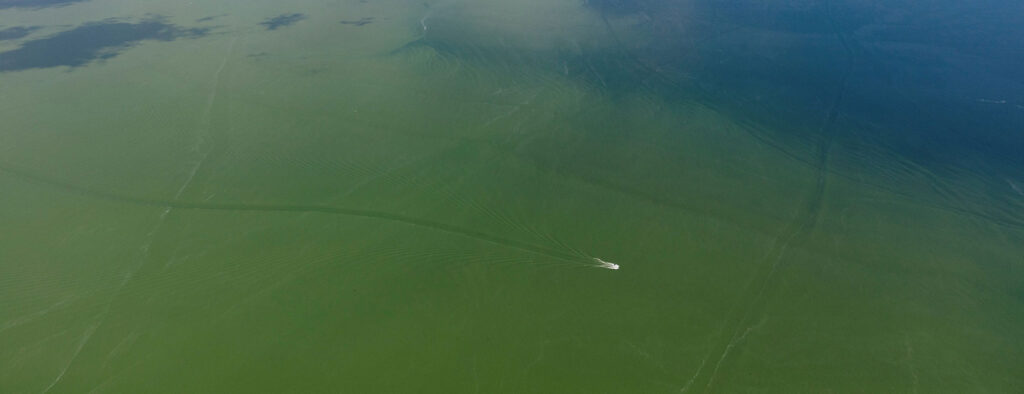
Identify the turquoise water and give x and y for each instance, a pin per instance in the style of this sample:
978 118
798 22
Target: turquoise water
510 196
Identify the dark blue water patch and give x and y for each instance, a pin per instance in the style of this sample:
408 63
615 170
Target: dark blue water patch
210 18
36 4
359 22
16 32
91 42
936 84
940 82
818 17
282 20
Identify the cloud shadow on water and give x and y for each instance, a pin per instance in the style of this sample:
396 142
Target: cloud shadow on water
16 32
282 21
91 42
36 4
359 22
210 18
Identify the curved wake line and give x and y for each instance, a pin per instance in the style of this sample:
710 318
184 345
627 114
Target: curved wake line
78 349
325 209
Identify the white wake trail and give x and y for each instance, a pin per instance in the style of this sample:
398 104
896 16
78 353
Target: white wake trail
606 264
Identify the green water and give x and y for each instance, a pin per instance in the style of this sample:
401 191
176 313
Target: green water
418 203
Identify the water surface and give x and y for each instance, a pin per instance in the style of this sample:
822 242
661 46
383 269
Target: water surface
409 196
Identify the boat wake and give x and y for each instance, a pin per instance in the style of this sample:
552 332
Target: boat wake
606 264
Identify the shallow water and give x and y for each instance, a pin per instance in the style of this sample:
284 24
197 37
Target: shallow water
511 196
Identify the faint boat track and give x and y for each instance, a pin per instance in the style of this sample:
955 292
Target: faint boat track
325 209
204 128
753 296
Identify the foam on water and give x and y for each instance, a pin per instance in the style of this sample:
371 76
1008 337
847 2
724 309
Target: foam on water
606 264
